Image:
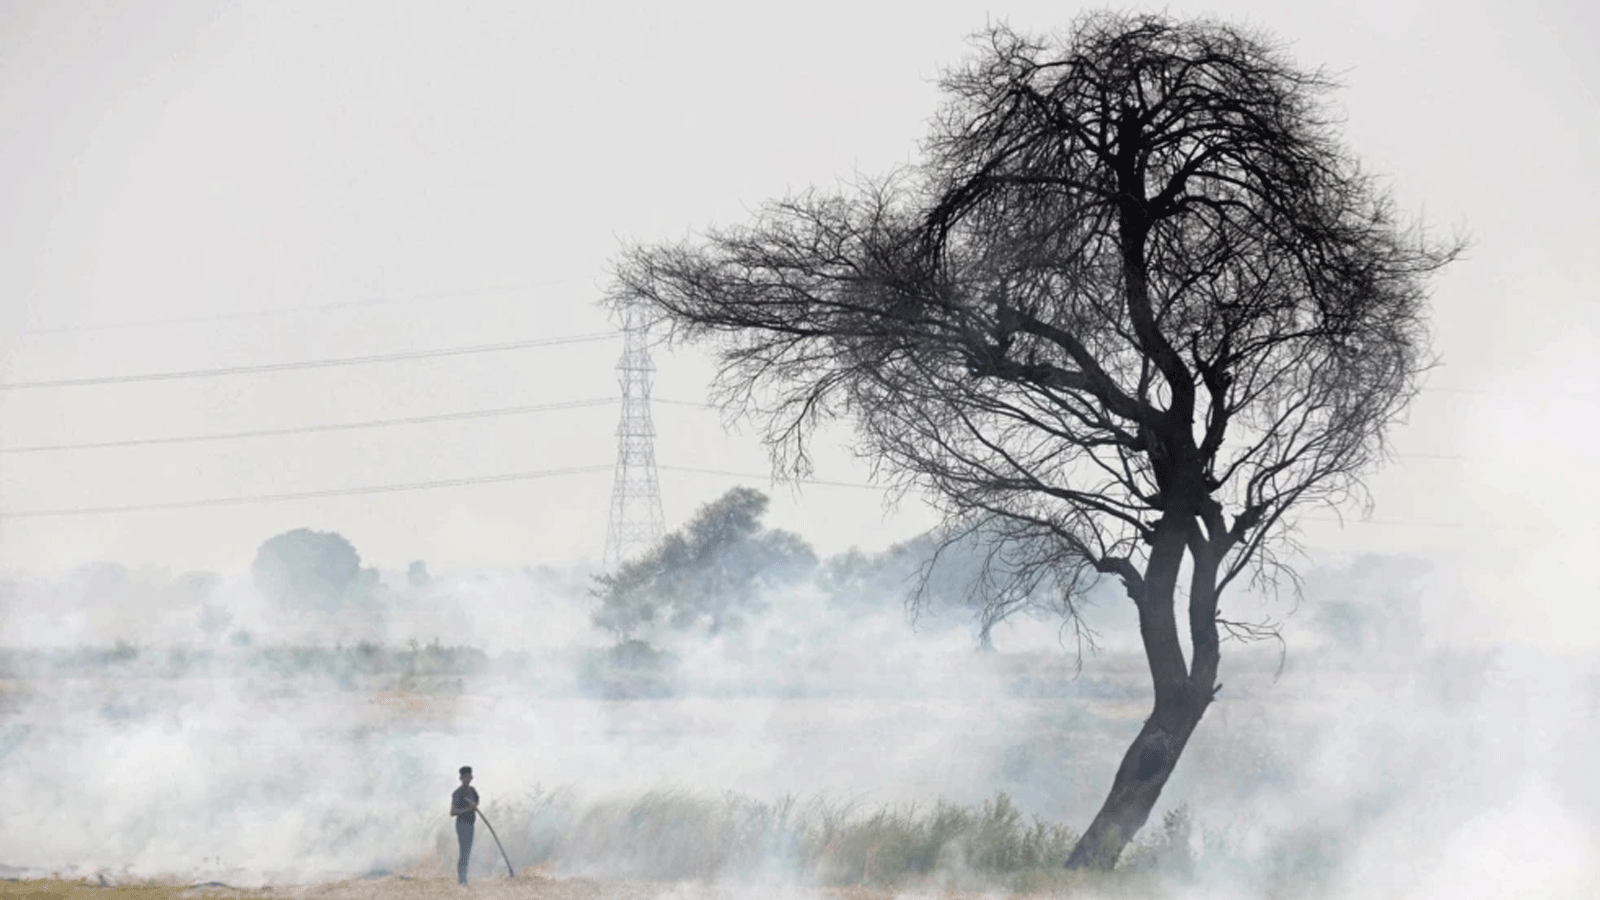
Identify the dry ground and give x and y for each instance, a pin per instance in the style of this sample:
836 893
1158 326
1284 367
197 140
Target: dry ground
527 886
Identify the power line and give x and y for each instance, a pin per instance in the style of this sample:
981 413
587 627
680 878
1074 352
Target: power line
699 471
309 364
1414 523
584 470
306 495
368 489
291 310
1401 523
709 406
415 420
422 420
309 429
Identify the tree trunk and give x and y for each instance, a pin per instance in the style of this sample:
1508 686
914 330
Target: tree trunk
1145 768
1181 693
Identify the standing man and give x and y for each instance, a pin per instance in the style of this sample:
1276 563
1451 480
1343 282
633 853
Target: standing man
464 806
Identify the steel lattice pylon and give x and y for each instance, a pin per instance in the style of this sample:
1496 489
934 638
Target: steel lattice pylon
636 520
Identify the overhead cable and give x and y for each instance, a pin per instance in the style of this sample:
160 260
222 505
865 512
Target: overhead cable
591 469
816 481
310 429
306 495
289 310
310 363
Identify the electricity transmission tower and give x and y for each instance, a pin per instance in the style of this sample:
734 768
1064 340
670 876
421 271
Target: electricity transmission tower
636 520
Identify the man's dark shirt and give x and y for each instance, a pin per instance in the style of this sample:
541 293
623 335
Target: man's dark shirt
464 797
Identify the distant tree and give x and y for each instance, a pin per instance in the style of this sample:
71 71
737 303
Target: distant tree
197 586
707 575
368 587
1372 605
939 572
999 570
214 619
305 569
854 579
417 574
1137 304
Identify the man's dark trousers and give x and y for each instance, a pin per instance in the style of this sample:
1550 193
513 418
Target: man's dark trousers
464 836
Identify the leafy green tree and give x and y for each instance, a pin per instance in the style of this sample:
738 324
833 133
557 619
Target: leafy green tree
417 574
707 576
305 569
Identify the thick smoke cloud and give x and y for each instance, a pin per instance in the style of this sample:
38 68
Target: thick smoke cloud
289 747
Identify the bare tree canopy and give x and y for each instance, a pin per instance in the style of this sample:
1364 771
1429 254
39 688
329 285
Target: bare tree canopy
1137 303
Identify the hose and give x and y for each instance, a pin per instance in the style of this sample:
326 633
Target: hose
496 841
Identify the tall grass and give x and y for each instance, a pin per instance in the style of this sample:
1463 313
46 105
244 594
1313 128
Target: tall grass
364 660
682 835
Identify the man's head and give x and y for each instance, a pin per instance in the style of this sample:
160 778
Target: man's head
466 774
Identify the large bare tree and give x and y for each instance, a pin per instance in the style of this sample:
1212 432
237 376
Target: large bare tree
1137 304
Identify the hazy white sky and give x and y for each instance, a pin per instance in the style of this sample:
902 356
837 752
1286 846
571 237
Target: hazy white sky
168 168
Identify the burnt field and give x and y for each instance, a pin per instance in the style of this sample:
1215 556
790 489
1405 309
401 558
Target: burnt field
345 755
256 770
